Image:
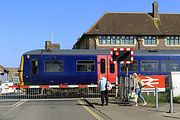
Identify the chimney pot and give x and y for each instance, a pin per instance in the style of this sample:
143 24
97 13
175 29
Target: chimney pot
155 10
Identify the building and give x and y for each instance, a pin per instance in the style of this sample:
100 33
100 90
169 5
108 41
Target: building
13 75
50 46
151 31
9 74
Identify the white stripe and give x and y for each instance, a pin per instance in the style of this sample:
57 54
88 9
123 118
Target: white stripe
72 86
132 52
34 86
111 52
121 49
53 86
128 49
92 85
115 49
132 59
128 62
153 90
122 62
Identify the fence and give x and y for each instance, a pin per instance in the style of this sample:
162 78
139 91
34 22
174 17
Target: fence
53 92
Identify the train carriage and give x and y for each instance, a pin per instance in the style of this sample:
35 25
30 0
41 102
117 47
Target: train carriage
46 67
54 67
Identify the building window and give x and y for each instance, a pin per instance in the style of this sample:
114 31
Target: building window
104 41
171 40
131 40
114 40
118 42
100 40
150 40
85 66
127 40
54 66
108 40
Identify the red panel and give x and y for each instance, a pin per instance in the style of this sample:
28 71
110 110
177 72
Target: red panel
110 76
154 81
99 57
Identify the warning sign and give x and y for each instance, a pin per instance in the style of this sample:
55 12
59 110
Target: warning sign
153 81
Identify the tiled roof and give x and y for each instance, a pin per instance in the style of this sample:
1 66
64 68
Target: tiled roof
136 24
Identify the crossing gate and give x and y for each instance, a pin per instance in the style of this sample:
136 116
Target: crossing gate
55 91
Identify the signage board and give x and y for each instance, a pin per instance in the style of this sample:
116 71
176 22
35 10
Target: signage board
152 82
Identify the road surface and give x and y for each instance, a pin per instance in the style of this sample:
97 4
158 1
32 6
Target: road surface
49 110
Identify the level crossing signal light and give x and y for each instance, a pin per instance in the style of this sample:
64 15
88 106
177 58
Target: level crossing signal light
121 55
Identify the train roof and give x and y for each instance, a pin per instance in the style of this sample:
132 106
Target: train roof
99 52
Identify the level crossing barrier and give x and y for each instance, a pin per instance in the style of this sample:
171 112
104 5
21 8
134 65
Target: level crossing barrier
55 91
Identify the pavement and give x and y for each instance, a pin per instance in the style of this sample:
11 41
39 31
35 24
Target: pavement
117 110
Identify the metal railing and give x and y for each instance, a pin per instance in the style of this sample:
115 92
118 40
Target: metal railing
54 93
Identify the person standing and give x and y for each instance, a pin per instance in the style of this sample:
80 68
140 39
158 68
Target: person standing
137 89
104 91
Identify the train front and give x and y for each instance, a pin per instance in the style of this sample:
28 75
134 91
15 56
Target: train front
21 70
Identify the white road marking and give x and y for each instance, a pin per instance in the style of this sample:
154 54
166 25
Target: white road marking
15 106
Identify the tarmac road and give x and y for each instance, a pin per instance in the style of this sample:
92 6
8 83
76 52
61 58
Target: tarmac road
49 110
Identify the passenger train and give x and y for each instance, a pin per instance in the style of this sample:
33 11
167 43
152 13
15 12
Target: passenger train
72 67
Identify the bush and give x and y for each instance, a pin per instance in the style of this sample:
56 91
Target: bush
162 97
176 99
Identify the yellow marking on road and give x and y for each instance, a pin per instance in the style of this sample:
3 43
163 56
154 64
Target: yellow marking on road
90 111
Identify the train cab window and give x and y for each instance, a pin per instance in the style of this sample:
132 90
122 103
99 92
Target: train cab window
102 65
112 68
34 66
54 66
149 65
131 67
169 65
85 66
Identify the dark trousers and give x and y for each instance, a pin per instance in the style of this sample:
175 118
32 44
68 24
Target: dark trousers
104 94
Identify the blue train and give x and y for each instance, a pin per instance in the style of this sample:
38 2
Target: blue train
55 67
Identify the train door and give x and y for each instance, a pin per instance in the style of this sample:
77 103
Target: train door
34 71
106 68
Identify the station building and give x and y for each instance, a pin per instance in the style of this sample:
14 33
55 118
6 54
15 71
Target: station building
9 74
149 31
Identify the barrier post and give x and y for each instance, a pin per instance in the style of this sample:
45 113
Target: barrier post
171 101
156 98
116 87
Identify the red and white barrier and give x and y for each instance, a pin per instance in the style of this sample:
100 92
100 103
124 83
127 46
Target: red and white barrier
57 86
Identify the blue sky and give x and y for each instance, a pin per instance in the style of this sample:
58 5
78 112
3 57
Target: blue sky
26 24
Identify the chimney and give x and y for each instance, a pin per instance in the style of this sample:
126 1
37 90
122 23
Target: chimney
47 45
50 46
155 10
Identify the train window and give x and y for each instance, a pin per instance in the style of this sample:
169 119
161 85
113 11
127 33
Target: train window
169 65
131 67
149 65
85 66
102 65
54 66
112 68
34 66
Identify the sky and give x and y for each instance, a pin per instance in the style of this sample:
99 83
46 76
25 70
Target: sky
26 24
